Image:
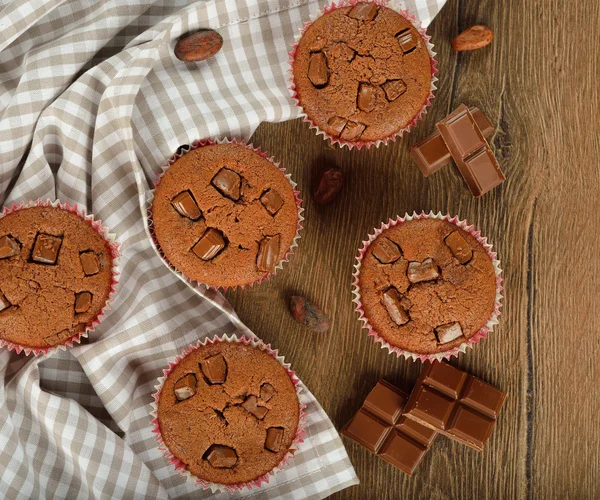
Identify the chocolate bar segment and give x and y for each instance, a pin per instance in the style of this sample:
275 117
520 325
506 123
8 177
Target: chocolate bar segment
471 153
455 403
431 153
380 427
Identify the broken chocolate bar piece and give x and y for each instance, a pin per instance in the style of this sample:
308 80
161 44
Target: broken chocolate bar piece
381 427
393 302
268 254
186 205
448 333
83 302
406 40
46 248
4 302
271 201
363 11
9 247
318 72
221 457
228 183
274 439
337 123
89 263
210 244
185 387
251 406
214 369
386 251
267 391
455 403
459 247
423 271
431 153
394 89
366 97
352 130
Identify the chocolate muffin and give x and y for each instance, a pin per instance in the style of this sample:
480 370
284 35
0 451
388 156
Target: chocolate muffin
229 412
225 216
55 276
362 73
426 285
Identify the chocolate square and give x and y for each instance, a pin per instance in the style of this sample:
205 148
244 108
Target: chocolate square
210 244
228 183
46 248
9 247
89 263
272 202
185 204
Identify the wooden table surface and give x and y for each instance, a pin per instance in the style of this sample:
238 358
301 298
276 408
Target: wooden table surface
539 83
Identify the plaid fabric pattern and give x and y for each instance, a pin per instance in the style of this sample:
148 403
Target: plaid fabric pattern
92 102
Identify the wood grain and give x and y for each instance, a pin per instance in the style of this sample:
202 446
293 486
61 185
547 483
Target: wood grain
538 82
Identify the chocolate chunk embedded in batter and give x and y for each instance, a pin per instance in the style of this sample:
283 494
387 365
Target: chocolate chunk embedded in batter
271 201
89 263
386 251
267 391
352 130
394 89
228 183
318 72
214 369
407 41
210 244
423 271
366 97
186 205
274 439
185 387
268 254
395 306
5 304
9 247
221 457
363 11
337 123
251 406
46 248
83 301
448 333
459 247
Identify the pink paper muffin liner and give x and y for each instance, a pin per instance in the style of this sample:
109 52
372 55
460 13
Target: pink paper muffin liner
477 337
392 4
180 466
114 255
209 142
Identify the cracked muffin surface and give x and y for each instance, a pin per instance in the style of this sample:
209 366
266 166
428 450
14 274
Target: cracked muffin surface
55 276
229 411
362 73
223 215
427 285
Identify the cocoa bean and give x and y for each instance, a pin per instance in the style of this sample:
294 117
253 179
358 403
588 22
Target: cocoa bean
198 46
329 185
308 314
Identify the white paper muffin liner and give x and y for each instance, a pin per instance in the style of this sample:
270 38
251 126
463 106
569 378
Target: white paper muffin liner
115 255
398 7
180 466
209 142
470 342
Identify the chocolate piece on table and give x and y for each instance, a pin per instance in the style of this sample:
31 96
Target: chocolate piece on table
470 151
268 253
274 439
366 97
423 271
431 153
352 130
267 391
393 302
251 406
186 205
394 89
9 247
214 369
46 248
228 183
363 11
89 263
4 302
380 427
83 302
222 457
185 387
271 201
210 244
448 333
386 251
459 247
455 403
318 72
406 40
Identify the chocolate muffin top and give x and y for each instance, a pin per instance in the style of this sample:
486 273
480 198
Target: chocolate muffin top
362 73
224 215
229 411
55 276
427 286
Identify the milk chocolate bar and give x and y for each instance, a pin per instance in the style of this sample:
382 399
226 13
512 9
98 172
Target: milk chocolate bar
454 403
471 152
431 153
381 427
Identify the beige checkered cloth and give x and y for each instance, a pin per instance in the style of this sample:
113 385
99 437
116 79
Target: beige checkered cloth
92 102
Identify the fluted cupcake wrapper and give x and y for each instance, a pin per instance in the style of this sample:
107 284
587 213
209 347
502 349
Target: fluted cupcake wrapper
180 466
209 142
470 342
392 4
114 256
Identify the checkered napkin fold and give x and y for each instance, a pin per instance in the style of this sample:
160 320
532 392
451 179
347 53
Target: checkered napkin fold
92 102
